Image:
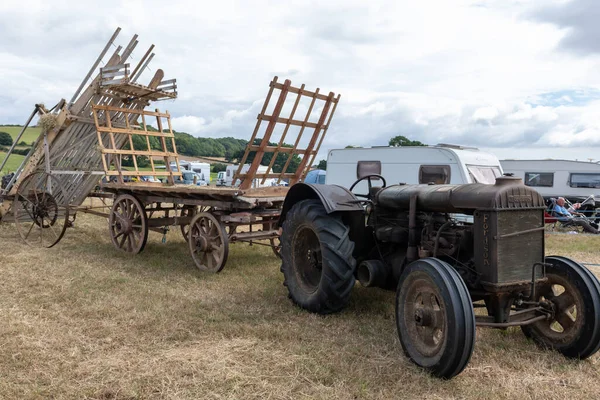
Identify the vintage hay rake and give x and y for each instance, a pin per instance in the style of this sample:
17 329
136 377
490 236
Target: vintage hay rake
64 164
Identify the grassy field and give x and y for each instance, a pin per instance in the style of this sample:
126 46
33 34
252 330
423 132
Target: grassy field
30 135
13 162
82 320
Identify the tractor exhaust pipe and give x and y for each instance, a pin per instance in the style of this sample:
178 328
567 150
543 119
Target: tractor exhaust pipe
372 273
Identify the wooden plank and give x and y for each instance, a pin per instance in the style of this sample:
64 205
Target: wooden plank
113 74
306 118
155 153
131 111
163 142
285 131
114 67
166 82
272 175
142 60
313 140
288 121
134 132
273 149
141 71
95 65
141 173
307 93
256 128
258 156
314 154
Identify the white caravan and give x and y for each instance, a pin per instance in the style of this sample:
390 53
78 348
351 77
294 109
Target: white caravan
439 164
202 169
232 169
575 180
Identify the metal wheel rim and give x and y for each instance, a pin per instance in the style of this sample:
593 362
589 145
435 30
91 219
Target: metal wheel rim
208 243
568 304
425 318
307 258
40 218
128 224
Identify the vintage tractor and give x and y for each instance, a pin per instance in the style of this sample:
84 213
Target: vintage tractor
446 250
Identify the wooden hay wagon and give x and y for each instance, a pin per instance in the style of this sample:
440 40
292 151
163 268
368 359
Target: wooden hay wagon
212 217
108 123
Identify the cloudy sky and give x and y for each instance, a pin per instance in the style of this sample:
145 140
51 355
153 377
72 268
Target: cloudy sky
518 77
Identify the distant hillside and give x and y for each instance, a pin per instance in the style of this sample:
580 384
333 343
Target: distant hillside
30 135
225 150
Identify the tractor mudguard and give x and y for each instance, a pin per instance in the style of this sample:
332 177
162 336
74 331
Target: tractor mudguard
333 197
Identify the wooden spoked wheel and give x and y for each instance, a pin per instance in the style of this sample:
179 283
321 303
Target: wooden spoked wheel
190 211
128 224
208 241
187 211
40 210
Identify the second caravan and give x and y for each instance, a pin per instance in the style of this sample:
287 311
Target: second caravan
440 164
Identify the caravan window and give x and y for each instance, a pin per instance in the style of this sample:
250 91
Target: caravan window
484 174
542 179
438 174
364 168
585 181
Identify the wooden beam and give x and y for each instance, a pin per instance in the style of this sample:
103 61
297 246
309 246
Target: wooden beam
247 183
256 128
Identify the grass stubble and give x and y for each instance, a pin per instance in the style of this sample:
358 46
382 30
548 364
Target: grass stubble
82 320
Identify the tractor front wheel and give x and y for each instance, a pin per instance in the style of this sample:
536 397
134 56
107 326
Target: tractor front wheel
317 262
434 317
574 293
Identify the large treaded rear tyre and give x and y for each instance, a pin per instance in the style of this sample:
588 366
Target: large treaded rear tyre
435 318
317 262
575 293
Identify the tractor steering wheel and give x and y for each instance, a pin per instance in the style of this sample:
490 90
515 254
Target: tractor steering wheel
368 178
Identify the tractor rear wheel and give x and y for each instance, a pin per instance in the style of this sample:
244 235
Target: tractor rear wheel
575 295
317 262
434 317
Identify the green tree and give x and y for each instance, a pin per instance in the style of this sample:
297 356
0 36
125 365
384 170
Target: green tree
398 141
322 164
5 139
218 167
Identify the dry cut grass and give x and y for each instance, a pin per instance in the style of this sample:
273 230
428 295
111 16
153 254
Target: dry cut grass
84 321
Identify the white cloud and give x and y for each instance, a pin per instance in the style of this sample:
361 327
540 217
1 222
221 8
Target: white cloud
470 72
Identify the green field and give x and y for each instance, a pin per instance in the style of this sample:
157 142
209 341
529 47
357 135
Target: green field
30 135
13 163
